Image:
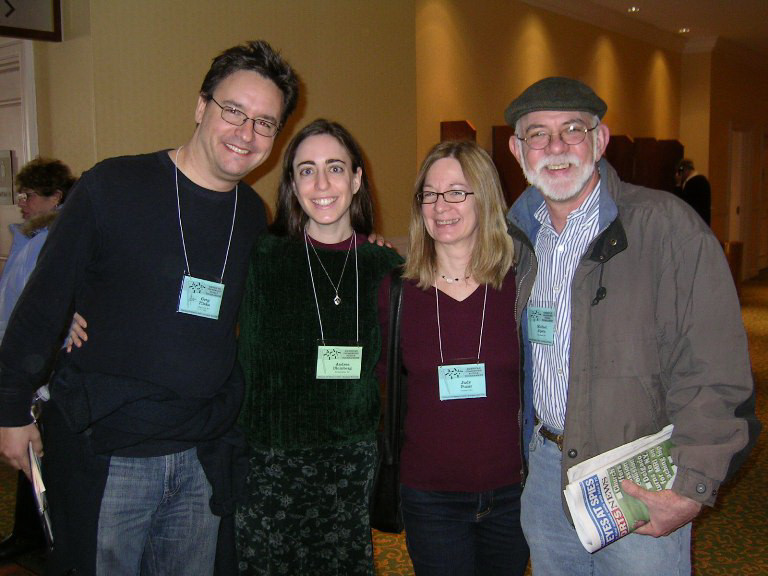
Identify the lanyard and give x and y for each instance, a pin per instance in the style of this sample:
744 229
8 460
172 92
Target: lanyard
439 332
181 227
314 290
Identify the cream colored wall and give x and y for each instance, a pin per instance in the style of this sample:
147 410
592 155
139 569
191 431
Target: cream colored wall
128 81
695 90
473 57
738 101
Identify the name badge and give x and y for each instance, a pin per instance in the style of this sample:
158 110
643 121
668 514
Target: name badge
338 362
200 297
458 381
541 325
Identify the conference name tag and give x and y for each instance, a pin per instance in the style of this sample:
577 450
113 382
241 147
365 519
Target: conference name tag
339 362
541 325
200 297
459 381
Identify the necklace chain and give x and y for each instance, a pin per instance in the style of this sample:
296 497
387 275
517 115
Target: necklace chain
336 299
452 280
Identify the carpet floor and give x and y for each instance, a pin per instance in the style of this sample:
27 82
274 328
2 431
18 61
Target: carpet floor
730 539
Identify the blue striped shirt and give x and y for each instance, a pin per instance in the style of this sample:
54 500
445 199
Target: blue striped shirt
558 257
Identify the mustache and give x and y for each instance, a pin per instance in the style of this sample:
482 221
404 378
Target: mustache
571 159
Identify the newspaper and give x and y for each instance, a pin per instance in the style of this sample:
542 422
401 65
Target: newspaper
600 510
40 498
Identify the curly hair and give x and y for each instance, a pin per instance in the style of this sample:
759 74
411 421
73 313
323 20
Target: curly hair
46 177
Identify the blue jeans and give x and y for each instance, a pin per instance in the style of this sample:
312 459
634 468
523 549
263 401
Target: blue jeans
464 533
555 546
155 518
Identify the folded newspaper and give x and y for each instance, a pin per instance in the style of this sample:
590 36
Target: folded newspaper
601 511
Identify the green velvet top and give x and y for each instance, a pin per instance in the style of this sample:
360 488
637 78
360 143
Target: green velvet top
285 405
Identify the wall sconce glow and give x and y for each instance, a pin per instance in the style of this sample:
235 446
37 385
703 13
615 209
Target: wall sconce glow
683 30
633 9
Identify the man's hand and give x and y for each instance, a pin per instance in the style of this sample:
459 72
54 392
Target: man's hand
669 510
14 443
77 333
374 238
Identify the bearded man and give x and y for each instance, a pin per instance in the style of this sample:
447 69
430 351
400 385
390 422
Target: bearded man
628 321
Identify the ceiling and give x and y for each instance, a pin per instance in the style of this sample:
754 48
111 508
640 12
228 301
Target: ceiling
743 23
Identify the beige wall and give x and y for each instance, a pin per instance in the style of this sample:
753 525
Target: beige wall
473 57
125 79
738 102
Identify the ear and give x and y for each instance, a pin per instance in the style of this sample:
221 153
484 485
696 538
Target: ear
603 135
357 180
200 109
58 195
515 146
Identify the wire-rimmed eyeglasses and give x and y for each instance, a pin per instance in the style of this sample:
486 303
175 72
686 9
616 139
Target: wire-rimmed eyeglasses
571 135
233 116
451 196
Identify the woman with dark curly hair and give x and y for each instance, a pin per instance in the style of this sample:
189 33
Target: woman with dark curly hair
42 186
309 345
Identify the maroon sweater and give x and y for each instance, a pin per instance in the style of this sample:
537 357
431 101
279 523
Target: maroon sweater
468 445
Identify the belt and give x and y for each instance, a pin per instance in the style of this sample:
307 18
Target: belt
551 436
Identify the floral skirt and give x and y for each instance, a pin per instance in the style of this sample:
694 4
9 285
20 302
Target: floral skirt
307 512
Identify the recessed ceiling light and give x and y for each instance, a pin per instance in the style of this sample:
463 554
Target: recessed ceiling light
633 9
683 30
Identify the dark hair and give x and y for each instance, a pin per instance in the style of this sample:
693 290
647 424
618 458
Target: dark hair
255 56
46 177
291 218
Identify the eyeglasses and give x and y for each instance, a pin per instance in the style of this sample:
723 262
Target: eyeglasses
24 196
572 135
235 117
452 196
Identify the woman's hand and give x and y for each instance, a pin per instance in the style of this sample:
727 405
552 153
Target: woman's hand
77 333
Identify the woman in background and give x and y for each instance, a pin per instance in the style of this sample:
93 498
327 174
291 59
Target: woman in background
461 461
42 186
309 344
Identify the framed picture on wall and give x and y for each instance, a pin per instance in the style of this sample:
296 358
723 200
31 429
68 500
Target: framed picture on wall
32 19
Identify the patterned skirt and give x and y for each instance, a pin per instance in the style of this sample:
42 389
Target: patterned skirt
307 512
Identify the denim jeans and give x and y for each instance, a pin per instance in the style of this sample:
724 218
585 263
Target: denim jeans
555 546
156 519
464 533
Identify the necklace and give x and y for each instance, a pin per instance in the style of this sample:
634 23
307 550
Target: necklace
336 299
452 280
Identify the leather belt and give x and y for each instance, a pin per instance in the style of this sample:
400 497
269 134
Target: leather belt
551 436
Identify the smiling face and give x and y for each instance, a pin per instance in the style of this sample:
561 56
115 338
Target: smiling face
561 172
324 183
222 154
449 223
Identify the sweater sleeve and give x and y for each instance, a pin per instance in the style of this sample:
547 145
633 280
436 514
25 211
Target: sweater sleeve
41 316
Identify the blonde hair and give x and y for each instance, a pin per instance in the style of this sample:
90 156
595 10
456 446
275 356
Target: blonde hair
493 251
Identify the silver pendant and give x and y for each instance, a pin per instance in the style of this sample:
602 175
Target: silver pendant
337 300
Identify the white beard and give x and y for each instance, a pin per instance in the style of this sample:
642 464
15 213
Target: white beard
557 189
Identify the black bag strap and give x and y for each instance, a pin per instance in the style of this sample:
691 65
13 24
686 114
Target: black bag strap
394 389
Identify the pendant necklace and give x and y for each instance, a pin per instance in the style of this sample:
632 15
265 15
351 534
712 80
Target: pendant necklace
336 299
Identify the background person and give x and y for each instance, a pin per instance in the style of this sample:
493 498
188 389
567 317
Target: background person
461 460
312 282
42 186
693 188
637 326
153 251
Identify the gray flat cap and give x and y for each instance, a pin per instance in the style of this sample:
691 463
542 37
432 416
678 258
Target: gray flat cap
555 93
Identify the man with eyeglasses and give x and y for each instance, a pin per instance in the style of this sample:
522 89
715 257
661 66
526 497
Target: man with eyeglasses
153 251
629 321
